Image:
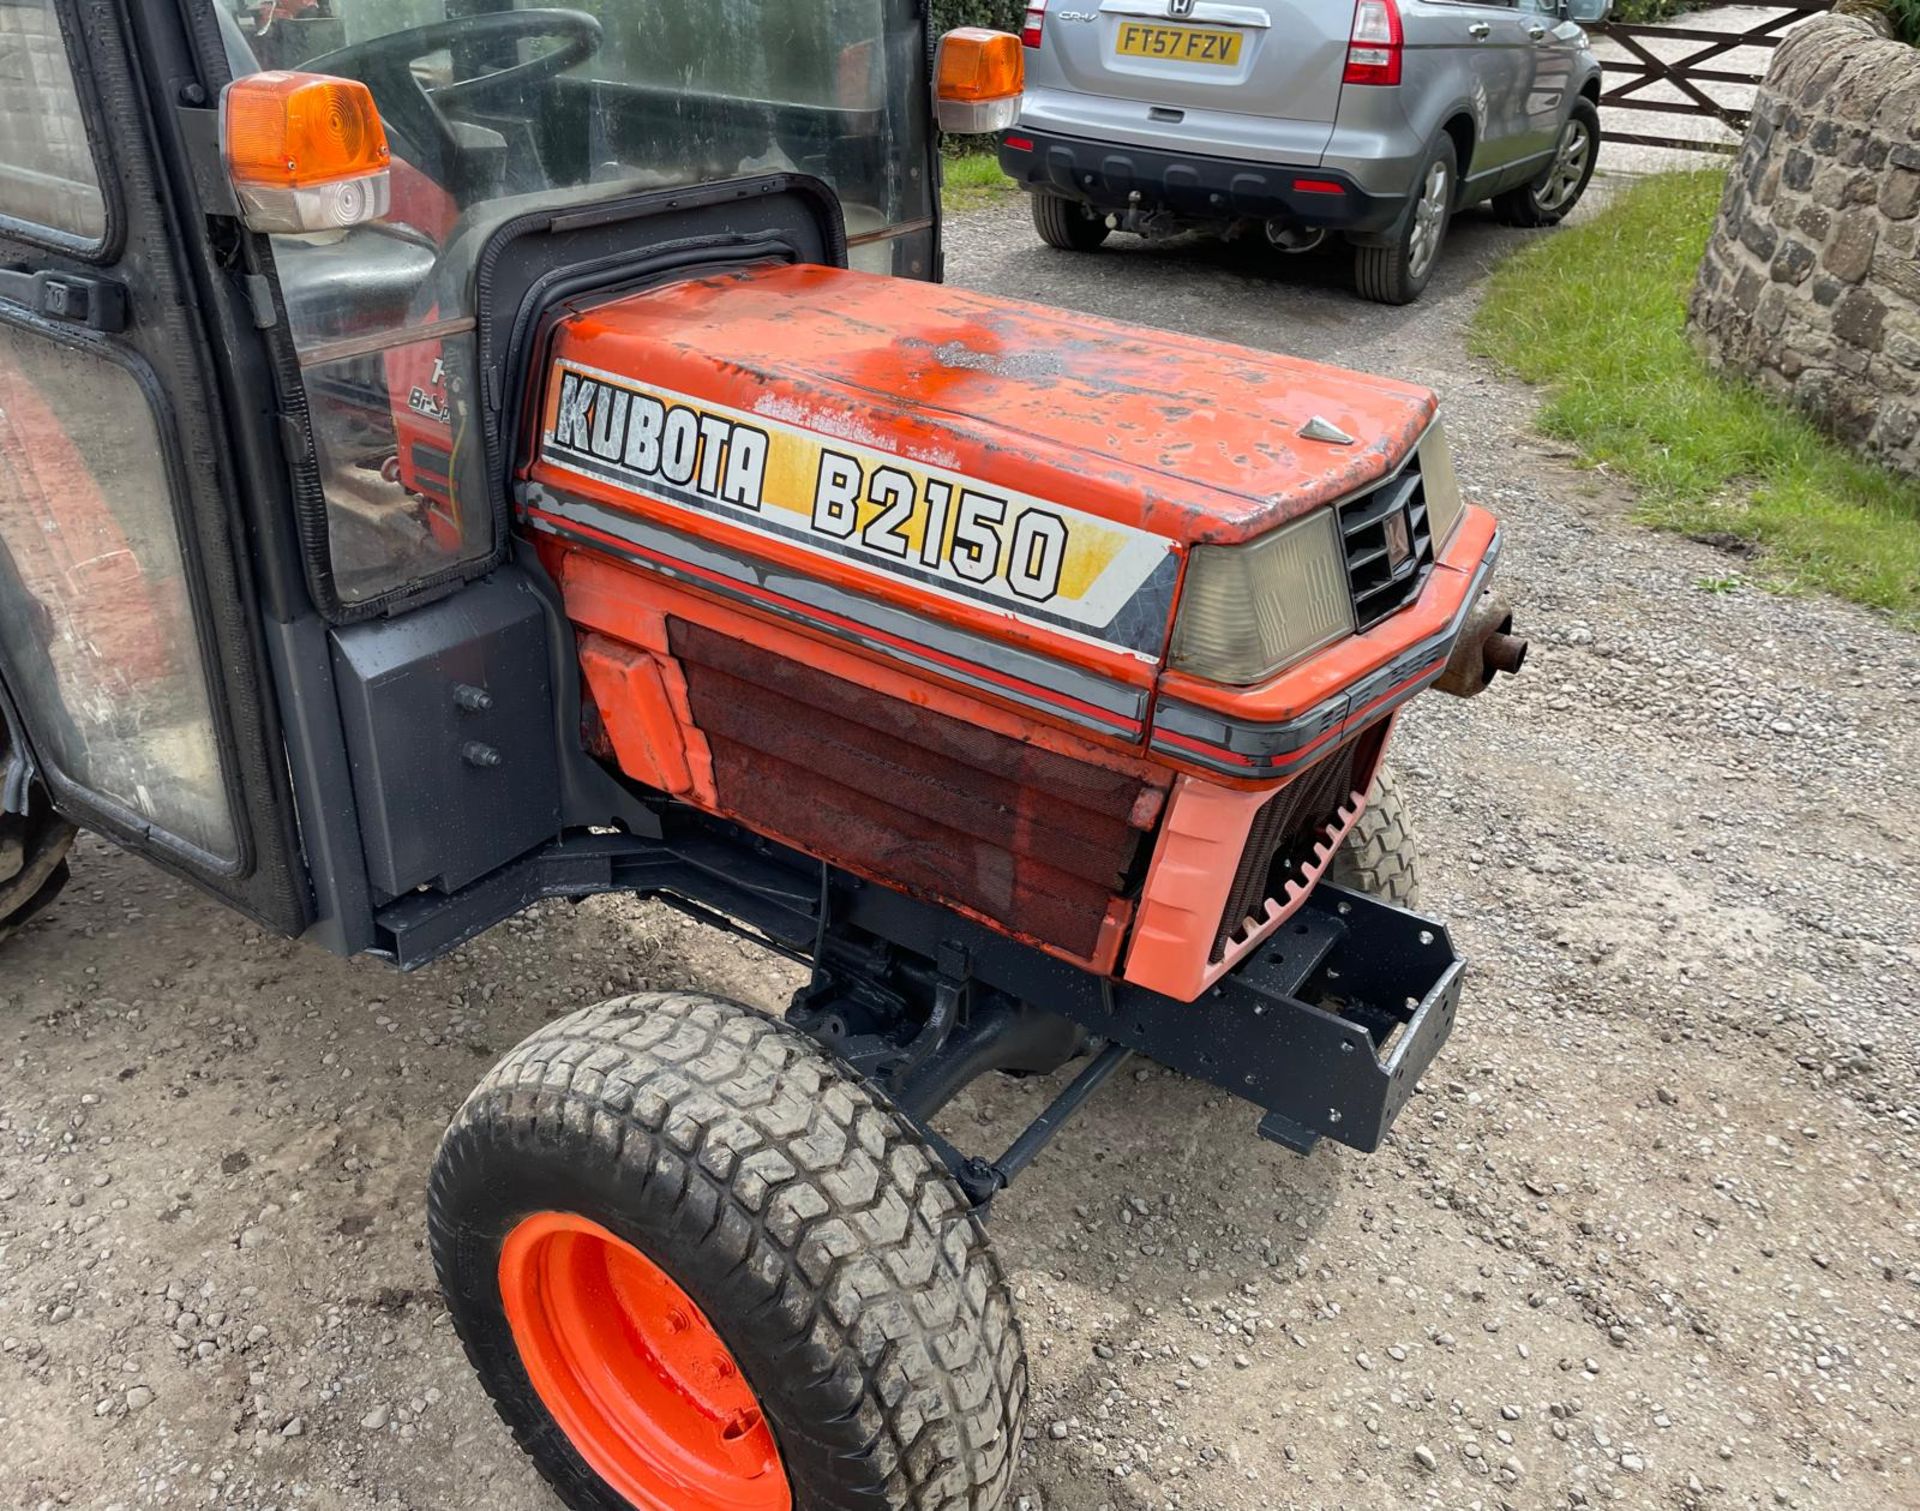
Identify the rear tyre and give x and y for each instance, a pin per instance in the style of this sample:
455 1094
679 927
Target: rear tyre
33 856
1067 224
1397 272
1548 199
41 854
699 1264
1380 856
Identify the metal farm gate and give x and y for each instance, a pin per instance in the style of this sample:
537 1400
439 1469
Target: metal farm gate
1647 66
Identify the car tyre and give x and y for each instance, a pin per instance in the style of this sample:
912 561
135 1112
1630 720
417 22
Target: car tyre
1397 272
1380 856
1550 197
1067 224
699 1204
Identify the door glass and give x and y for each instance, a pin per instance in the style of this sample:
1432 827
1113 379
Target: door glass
494 110
96 631
47 174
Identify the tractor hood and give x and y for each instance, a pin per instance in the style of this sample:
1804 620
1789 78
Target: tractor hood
915 464
1194 441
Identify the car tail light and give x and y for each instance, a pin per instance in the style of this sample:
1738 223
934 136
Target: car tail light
1377 43
1036 21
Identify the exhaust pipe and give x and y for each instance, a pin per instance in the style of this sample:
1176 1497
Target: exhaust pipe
1286 237
1486 646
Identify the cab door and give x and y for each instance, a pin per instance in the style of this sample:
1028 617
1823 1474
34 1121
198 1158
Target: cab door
129 646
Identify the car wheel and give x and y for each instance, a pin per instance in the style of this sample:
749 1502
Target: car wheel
1546 201
1397 272
1067 224
701 1265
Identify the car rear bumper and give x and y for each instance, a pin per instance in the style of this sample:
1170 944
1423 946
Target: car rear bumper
1115 177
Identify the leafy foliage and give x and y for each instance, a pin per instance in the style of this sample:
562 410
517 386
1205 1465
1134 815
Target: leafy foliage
1649 12
1597 314
1001 15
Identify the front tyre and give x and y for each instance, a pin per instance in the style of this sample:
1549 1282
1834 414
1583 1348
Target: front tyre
1397 272
1548 199
700 1266
1380 856
1067 224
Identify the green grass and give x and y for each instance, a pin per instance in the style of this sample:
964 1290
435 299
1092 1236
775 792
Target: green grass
972 179
1597 315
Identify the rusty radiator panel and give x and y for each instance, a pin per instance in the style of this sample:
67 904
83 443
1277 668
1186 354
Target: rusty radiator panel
1281 842
1037 841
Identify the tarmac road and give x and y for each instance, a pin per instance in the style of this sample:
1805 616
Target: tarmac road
1647 1237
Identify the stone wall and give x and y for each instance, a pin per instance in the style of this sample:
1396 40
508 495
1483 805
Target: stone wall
1810 285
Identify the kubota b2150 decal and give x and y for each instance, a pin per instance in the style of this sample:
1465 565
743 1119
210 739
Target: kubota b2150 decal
1040 560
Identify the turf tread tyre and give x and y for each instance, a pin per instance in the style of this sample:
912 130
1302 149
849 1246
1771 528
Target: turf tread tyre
1063 223
812 1224
1380 856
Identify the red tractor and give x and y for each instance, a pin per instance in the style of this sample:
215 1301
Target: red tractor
499 454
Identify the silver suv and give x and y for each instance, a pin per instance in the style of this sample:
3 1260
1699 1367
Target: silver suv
1375 119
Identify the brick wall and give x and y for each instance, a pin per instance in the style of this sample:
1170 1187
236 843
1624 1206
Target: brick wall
1810 285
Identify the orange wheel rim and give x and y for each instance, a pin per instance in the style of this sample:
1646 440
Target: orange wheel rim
637 1378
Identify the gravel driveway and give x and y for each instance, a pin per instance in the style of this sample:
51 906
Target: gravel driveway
1649 1236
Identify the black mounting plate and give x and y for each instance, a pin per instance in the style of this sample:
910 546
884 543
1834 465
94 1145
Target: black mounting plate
1326 1026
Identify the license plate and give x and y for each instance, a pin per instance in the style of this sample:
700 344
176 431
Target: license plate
1178 44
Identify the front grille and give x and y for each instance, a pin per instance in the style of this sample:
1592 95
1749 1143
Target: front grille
1280 845
935 805
1389 546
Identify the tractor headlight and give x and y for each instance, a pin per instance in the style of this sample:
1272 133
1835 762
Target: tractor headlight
1247 611
1440 486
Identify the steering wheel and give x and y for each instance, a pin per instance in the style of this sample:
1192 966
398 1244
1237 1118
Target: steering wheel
385 65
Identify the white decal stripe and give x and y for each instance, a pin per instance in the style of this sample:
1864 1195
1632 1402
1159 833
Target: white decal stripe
1128 598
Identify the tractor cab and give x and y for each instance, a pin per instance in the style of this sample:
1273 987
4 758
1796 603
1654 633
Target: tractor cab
456 454
493 113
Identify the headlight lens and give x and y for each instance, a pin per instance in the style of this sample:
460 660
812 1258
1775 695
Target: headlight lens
1440 486
1246 611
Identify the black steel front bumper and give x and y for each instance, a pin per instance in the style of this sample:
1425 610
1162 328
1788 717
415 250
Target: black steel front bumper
1115 177
1327 1026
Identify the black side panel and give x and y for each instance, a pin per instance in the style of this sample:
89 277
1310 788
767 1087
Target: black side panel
523 268
449 716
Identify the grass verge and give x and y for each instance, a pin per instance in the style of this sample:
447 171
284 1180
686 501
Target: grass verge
971 179
1597 315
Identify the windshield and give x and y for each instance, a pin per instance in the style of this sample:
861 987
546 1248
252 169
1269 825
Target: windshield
494 109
